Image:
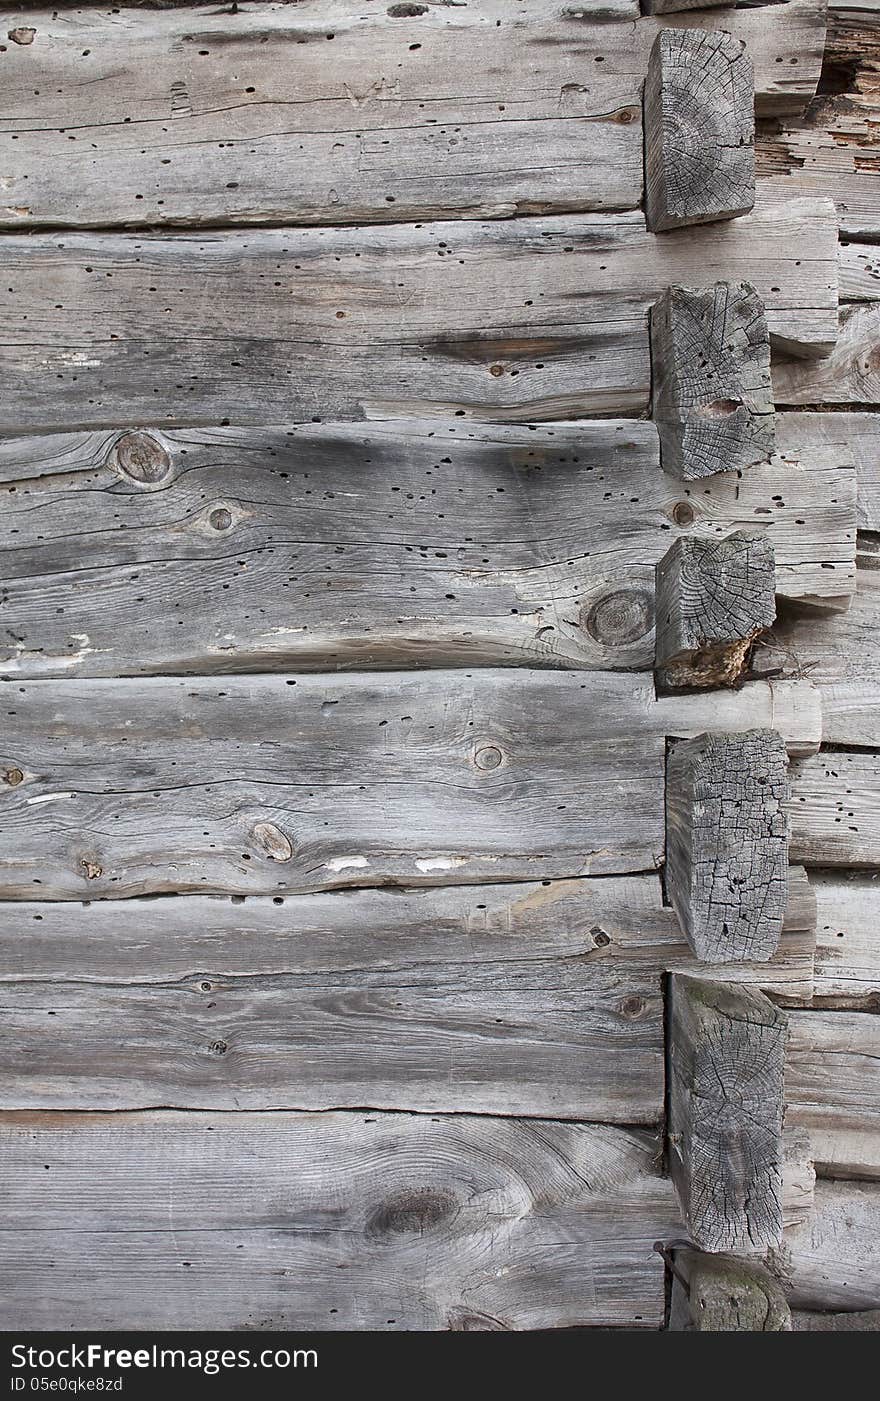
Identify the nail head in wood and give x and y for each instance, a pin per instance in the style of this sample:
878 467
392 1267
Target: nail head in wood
714 598
712 398
699 129
727 843
726 1050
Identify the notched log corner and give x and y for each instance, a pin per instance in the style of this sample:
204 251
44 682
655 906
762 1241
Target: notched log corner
727 843
712 398
699 114
726 1049
725 1294
714 599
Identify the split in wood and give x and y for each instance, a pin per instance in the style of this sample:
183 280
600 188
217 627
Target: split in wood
714 598
727 843
699 129
725 1049
725 1294
712 398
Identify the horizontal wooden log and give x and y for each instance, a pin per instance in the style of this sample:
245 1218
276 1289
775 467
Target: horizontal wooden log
275 784
490 110
804 1321
848 436
725 1294
725 1052
348 1221
712 400
699 116
538 999
438 543
847 947
832 1089
831 1261
850 375
727 843
835 809
543 319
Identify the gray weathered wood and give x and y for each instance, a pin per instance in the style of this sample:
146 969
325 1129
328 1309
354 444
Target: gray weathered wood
539 320
440 543
857 434
538 999
346 1221
699 116
847 946
835 809
727 843
272 784
849 375
832 1089
725 1052
714 598
711 400
254 117
725 1294
831 1260
804 1321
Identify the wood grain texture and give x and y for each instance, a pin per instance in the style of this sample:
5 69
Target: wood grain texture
335 112
271 785
699 116
543 319
835 809
714 599
847 942
725 1051
347 1221
832 1089
725 1294
712 399
849 375
222 550
831 1261
848 437
537 999
867 1321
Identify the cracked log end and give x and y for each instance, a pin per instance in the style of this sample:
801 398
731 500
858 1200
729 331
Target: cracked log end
699 129
714 598
726 1294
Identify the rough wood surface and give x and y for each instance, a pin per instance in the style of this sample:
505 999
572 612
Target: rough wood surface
384 545
805 1322
539 320
699 116
831 1260
268 784
347 1221
538 999
714 598
725 1049
340 112
832 1089
849 375
847 939
727 843
835 809
849 437
712 400
725 1294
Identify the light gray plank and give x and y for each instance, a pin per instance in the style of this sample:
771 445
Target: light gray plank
850 375
346 1221
831 1261
835 809
543 319
847 941
832 1089
439 542
488 110
855 435
270 784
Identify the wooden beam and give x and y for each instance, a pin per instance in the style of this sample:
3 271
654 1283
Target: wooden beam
188 117
714 599
712 400
832 1089
835 809
725 1048
561 1218
727 843
847 947
849 375
803 1321
546 319
857 434
725 1294
699 115
831 1261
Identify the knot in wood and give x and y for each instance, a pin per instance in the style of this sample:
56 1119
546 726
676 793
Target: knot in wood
412 1211
23 35
220 518
619 617
272 841
141 458
13 777
488 757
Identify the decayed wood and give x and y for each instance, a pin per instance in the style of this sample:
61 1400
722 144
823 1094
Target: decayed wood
727 843
699 116
725 1049
269 784
538 999
725 1294
714 598
328 546
831 1260
847 943
541 320
850 375
832 1088
339 112
835 809
712 400
348 1221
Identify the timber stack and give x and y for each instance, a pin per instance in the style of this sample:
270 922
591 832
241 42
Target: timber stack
439 492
